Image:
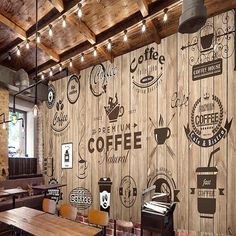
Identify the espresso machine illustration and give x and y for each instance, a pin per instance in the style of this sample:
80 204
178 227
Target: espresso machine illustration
207 188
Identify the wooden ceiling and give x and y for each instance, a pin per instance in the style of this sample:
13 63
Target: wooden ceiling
101 20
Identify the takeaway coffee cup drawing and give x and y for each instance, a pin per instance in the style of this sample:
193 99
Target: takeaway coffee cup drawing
206 184
161 134
82 167
115 112
206 40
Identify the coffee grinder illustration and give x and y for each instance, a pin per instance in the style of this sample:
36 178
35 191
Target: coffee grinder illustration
114 109
67 154
206 188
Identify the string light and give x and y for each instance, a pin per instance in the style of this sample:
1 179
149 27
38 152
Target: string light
50 31
82 57
144 26
42 76
109 44
95 51
50 73
18 51
38 37
60 67
165 17
64 21
125 36
27 44
35 110
9 56
80 10
70 64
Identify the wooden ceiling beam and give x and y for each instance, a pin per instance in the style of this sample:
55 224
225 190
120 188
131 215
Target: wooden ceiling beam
53 55
83 29
21 33
106 54
155 33
58 4
143 7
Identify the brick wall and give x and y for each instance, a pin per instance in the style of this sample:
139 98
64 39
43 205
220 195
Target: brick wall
4 107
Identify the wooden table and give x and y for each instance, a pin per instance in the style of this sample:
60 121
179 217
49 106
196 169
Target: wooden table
46 187
13 192
40 223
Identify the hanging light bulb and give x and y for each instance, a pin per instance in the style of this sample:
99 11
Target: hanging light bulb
18 51
27 44
64 21
79 10
71 63
50 73
109 44
14 118
95 52
60 67
38 37
4 125
9 56
82 57
50 33
42 76
144 26
35 110
165 17
125 36
22 126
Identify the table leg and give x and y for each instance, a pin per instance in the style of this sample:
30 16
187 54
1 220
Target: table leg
13 201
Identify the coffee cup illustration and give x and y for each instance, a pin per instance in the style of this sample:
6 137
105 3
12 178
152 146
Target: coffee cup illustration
161 134
206 40
206 184
82 167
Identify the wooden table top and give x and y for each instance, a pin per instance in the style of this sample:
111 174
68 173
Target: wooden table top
3 194
48 186
40 223
14 191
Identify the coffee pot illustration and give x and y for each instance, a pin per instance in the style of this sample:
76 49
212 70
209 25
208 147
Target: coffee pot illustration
206 188
67 154
114 109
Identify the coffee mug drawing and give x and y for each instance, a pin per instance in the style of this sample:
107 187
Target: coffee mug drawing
82 167
206 40
161 134
116 112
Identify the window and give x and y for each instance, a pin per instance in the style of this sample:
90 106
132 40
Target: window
17 135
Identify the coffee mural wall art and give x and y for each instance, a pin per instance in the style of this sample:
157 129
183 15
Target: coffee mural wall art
73 89
66 155
99 78
162 133
207 118
210 47
105 193
206 188
164 182
54 194
82 163
144 79
51 96
179 100
128 191
60 120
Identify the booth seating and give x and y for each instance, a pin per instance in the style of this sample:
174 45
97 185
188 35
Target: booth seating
32 199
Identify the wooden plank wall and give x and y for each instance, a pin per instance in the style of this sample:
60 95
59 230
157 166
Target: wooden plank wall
164 108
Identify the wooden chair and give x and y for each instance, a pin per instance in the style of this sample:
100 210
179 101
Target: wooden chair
69 212
125 225
98 218
49 206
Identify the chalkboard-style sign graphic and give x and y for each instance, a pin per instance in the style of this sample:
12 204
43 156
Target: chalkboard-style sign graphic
99 77
54 194
60 119
161 134
206 188
145 79
73 89
164 183
210 47
81 198
128 191
105 193
66 155
114 109
178 100
206 121
51 96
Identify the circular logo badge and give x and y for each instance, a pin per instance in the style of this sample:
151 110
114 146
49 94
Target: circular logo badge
73 89
128 191
51 96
